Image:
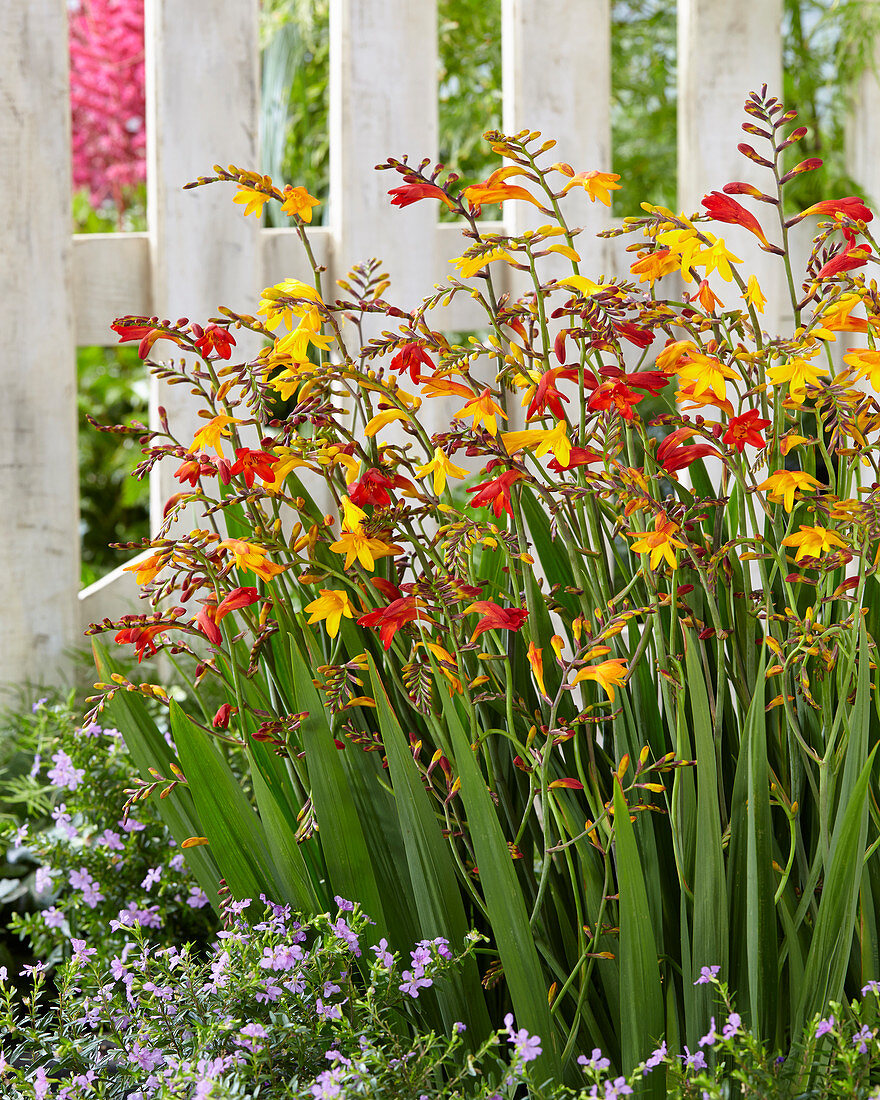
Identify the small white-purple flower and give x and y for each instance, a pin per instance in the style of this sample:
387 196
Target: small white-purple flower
656 1057
694 1061
64 774
734 1020
824 1026
595 1061
711 1035
707 974
861 1037
383 955
527 1047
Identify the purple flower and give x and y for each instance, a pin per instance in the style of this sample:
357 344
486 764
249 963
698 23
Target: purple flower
710 1036
655 1058
284 957
527 1047
330 1011
176 862
595 1061
148 1058
39 703
342 932
91 730
251 1032
131 826
617 1087
348 906
40 1083
383 955
111 840
327 1086
824 1026
35 767
732 1026
413 981
53 917
697 1060
64 774
43 879
82 880
152 876
81 953
197 899
270 993
459 1028
707 974
18 837
861 1037
871 987
118 968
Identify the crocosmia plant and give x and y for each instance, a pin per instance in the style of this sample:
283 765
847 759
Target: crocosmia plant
588 665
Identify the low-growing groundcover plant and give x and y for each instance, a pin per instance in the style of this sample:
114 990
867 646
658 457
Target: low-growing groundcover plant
612 704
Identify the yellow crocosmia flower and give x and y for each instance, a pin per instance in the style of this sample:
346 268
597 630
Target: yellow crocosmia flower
252 200
484 411
296 344
441 467
251 557
362 548
289 381
147 569
352 515
837 318
565 250
210 434
557 441
788 442
702 374
685 244
411 400
446 657
557 642
783 485
716 258
674 353
813 542
525 439
378 422
536 660
470 265
276 310
658 543
298 203
754 295
330 606
867 364
583 285
651 266
351 464
607 674
598 185
798 372
288 460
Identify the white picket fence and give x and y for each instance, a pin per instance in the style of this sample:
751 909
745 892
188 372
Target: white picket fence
58 291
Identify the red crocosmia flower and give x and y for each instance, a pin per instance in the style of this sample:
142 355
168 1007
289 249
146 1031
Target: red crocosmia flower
408 193
194 467
408 609
850 207
211 614
238 597
722 208
217 338
673 455
578 456
220 721
615 395
388 589
496 493
547 396
846 260
745 429
410 357
570 784
142 637
371 488
651 380
252 464
641 337
496 617
131 329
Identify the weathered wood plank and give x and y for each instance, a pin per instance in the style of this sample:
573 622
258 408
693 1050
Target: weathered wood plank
111 277
39 550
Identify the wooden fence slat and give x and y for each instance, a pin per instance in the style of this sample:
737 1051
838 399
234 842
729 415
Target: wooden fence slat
202 66
111 277
39 550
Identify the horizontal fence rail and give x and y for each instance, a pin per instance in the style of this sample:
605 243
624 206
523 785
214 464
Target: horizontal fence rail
58 291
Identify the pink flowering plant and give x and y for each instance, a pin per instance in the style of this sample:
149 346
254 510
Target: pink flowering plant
581 657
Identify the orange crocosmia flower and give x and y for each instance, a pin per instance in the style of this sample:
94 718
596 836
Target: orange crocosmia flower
496 617
410 357
673 455
252 464
484 411
607 674
210 435
783 485
414 190
216 338
298 203
439 386
722 208
850 207
496 189
147 569
867 364
847 259
388 620
252 199
675 353
616 395
838 317
251 557
598 185
536 660
813 542
651 266
658 543
213 613
686 393
745 429
709 300
133 328
496 493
